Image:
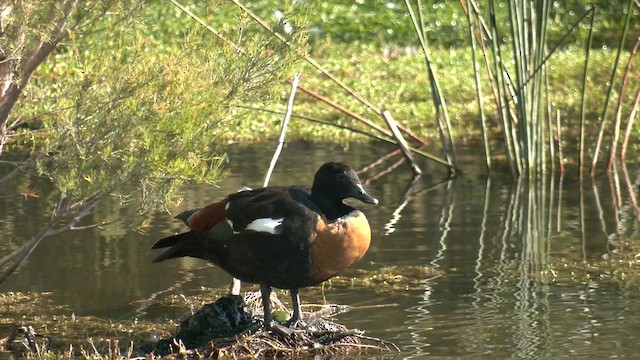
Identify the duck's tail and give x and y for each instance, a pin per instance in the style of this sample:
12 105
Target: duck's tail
179 245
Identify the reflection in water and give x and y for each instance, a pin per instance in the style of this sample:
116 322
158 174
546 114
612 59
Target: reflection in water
531 270
520 307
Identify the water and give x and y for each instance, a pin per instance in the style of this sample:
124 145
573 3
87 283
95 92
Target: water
527 272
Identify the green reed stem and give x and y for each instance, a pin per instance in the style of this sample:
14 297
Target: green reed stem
440 105
480 99
498 85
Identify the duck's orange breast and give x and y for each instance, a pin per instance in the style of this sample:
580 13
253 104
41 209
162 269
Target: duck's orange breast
338 244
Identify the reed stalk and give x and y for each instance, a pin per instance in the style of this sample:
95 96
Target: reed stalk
559 132
401 142
479 96
616 127
632 117
521 89
603 118
552 152
498 84
388 140
442 115
583 93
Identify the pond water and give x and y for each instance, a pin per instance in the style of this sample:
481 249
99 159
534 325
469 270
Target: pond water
529 271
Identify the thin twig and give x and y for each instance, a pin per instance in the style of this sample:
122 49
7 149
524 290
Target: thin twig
285 123
206 26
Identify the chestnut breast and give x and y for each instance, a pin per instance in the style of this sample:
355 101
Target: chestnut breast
338 244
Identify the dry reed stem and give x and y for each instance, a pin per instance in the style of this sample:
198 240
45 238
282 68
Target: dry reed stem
402 144
616 127
632 117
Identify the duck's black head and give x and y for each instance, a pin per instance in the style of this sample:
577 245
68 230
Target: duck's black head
335 181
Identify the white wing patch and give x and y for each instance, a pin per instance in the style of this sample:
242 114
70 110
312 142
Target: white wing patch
266 225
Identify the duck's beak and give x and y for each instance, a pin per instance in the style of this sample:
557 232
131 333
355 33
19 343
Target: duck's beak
361 194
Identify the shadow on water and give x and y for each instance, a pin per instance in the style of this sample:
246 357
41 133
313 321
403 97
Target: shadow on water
532 270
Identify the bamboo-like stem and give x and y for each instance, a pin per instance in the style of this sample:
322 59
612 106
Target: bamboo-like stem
442 115
603 119
541 84
552 147
559 211
479 97
402 144
616 198
616 127
632 117
551 52
582 221
498 84
519 65
596 196
584 91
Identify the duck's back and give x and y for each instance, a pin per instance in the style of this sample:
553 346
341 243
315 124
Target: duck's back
272 230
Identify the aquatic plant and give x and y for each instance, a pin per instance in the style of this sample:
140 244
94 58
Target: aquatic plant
520 89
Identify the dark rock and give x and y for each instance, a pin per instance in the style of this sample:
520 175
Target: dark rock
225 318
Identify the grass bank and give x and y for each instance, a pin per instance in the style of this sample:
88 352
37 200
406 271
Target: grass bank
396 79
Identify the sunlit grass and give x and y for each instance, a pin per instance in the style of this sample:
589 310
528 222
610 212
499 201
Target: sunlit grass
401 85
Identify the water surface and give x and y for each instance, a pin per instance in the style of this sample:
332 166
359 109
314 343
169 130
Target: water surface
527 270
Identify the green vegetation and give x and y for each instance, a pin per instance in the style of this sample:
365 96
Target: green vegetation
118 116
364 44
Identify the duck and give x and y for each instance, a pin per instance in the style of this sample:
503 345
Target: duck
280 237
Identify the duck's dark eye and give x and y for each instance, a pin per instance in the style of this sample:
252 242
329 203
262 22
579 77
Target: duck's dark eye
342 176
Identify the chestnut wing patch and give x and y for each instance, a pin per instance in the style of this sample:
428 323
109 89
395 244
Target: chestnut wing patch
207 217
